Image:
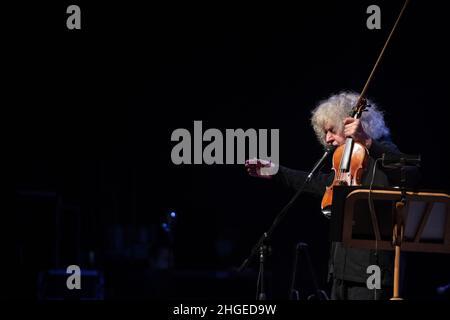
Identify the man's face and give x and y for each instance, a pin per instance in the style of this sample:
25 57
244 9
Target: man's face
332 136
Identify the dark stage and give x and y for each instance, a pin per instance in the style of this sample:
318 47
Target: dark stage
91 112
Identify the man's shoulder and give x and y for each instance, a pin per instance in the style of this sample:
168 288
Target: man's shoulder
383 145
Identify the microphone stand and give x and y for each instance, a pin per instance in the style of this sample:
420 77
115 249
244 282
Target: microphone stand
261 246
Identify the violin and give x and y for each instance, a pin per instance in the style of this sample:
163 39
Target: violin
350 159
349 162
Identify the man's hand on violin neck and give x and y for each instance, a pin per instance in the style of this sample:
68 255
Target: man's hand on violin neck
354 129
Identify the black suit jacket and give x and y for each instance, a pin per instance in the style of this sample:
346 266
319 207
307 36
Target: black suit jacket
350 263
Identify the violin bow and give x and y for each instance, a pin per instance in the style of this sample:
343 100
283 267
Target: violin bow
360 104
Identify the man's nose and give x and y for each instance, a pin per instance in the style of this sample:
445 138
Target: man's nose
329 138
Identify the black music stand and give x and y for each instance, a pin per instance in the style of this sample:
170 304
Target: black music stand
416 221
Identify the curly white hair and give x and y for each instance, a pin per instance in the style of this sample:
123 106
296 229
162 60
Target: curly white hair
332 111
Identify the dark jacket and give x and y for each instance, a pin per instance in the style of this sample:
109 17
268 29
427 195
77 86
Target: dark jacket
351 263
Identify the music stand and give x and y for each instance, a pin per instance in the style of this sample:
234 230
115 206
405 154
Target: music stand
416 221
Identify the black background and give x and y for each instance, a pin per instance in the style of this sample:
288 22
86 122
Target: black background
92 111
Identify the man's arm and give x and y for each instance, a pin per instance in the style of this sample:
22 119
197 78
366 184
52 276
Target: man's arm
289 178
294 179
378 147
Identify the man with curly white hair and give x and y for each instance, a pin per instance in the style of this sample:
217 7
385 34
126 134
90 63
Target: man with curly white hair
332 125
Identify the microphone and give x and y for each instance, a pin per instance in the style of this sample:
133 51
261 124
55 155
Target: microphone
329 149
